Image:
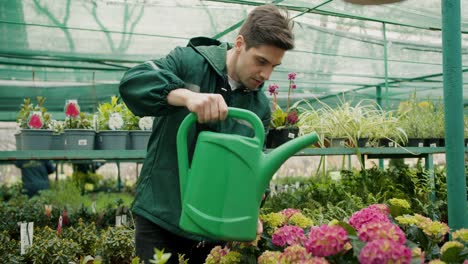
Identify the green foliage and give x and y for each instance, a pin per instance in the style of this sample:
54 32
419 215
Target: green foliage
22 209
10 192
160 257
117 245
9 248
130 120
324 199
48 247
422 119
86 181
82 121
64 194
85 235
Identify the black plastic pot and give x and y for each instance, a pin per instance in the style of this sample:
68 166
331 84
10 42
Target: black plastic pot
276 137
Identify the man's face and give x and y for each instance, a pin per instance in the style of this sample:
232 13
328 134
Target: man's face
255 65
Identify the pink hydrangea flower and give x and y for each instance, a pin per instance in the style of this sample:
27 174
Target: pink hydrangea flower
292 76
294 254
382 207
314 260
326 240
290 212
288 235
269 257
381 230
273 89
366 215
384 251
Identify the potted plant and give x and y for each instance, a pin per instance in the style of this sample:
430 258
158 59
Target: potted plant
34 123
139 129
79 133
111 125
283 124
423 122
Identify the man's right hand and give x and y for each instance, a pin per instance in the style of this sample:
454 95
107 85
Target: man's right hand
207 107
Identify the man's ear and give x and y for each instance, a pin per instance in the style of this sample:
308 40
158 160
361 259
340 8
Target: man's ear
239 43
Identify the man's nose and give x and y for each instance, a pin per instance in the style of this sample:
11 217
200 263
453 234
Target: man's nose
265 73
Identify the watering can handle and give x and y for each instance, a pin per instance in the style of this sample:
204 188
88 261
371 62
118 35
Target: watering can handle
191 118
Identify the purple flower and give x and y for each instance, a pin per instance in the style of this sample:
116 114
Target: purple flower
381 230
326 240
292 76
384 251
293 86
288 235
366 215
292 117
273 89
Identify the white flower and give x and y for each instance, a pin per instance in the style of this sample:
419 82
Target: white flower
56 125
146 123
115 121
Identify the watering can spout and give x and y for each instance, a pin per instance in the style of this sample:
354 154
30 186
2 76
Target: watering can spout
273 160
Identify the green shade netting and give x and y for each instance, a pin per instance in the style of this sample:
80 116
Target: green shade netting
80 49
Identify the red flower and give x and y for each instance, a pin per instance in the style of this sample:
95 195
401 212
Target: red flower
35 122
72 110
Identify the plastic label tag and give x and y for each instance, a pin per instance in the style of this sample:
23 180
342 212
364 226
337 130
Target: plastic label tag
93 207
82 142
124 220
420 144
26 234
433 145
291 135
118 220
342 143
391 144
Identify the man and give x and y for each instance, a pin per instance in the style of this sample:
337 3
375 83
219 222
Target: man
35 175
205 78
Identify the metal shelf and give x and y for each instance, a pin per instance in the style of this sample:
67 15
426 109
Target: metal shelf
139 155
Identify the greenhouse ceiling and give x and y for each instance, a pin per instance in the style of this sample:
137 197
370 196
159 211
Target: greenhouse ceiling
80 49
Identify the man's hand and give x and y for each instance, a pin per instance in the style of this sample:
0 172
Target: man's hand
259 227
207 107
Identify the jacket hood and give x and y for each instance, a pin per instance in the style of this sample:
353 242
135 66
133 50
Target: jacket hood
213 51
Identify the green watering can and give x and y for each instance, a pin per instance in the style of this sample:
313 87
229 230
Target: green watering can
222 190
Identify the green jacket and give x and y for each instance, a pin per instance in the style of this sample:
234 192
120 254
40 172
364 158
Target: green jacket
200 67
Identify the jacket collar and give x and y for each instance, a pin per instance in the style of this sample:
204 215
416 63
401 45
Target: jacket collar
214 51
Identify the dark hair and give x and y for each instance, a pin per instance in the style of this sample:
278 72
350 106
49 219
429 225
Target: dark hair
267 25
